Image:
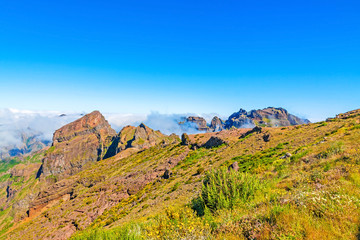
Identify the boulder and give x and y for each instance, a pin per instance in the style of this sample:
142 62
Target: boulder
214 141
167 174
10 193
185 140
266 137
287 155
234 166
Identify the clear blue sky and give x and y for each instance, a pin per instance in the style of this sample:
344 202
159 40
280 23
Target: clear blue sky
180 56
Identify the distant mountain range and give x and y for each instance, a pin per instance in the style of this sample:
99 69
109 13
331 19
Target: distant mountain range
268 117
28 140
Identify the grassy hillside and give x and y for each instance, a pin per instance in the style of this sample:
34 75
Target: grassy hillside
18 184
301 183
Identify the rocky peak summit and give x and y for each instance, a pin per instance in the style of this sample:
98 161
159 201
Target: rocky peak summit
139 137
90 123
199 121
267 117
76 145
270 117
216 124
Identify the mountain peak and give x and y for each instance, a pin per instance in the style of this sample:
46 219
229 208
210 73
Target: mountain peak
93 121
77 144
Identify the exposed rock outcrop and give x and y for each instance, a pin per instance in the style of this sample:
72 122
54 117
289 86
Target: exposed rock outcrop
234 166
266 137
254 130
140 137
61 190
287 155
23 170
239 119
200 122
185 140
167 174
269 117
214 141
216 124
76 145
10 193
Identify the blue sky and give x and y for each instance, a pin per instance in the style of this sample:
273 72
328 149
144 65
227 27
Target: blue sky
180 56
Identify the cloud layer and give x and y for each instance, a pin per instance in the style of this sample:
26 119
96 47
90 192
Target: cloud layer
14 123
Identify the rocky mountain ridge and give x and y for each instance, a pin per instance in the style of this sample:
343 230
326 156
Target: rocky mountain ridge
148 171
89 139
267 117
29 141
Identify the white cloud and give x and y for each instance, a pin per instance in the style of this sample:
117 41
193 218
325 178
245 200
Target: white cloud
118 121
42 124
14 123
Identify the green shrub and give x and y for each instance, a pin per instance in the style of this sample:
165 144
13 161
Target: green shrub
223 189
175 187
356 127
327 167
334 149
192 159
128 232
200 170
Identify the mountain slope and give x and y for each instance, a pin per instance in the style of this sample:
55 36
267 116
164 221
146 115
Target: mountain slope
308 179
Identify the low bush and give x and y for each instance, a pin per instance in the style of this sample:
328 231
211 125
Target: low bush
223 189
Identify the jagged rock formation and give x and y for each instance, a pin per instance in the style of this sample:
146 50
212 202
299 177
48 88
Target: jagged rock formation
239 120
268 117
77 144
199 121
216 124
214 141
254 130
138 138
347 115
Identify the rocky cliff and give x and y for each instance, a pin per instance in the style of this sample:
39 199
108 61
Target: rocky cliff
274 117
216 124
137 138
76 145
200 123
268 117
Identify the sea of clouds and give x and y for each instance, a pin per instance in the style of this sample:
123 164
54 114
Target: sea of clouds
42 124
